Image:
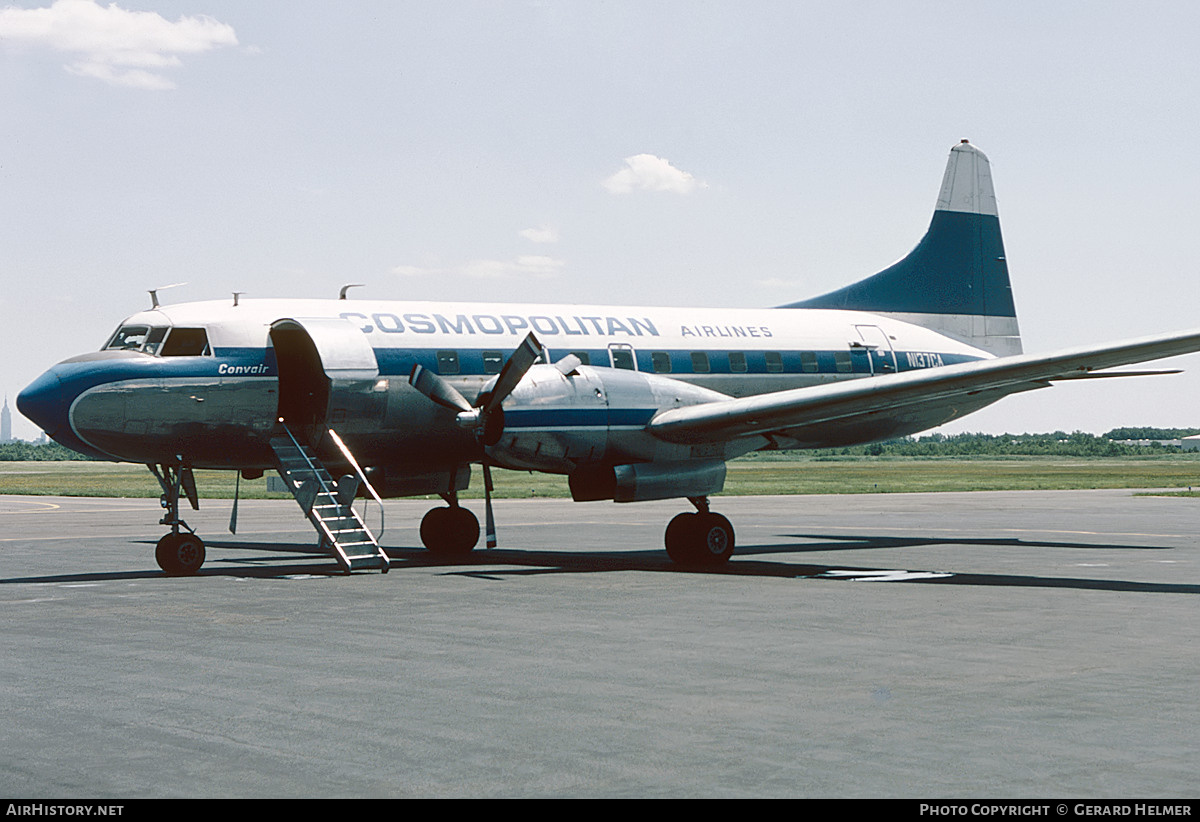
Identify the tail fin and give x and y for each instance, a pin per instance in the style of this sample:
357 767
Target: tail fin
956 280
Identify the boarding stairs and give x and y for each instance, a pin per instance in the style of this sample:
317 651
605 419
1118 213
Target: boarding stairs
328 503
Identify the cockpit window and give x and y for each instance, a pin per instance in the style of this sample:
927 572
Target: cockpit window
179 342
154 340
185 342
128 338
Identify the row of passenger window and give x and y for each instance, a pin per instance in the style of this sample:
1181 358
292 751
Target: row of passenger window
701 362
661 361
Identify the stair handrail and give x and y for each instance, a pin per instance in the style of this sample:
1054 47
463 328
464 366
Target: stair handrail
329 537
362 478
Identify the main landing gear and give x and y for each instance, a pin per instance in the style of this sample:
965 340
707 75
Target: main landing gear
450 532
703 538
178 554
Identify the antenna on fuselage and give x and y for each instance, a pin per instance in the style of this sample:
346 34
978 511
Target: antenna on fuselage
154 293
345 288
237 294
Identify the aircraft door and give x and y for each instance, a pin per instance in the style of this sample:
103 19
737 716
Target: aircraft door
879 348
328 375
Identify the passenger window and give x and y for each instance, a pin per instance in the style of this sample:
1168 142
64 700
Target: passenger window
661 361
447 362
808 361
493 361
700 362
841 359
774 362
622 357
737 362
186 342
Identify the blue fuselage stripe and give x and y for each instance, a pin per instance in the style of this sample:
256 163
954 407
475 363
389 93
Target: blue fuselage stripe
231 363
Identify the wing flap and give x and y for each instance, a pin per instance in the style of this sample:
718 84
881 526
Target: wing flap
781 410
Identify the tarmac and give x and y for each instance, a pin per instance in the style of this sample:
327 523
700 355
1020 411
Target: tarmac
993 644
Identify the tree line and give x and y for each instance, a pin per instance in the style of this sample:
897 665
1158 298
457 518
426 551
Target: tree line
17 450
1054 444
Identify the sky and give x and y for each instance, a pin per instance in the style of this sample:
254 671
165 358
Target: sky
743 154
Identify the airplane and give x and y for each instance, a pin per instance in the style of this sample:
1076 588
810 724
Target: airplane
373 399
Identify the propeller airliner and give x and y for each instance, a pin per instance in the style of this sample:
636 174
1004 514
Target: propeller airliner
362 398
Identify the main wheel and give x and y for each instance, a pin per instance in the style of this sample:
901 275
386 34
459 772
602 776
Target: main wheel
704 539
679 538
180 554
449 532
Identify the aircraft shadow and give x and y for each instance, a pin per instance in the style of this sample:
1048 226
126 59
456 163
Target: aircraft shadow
482 564
555 562
857 542
263 567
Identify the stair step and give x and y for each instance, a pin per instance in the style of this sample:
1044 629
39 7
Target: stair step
342 530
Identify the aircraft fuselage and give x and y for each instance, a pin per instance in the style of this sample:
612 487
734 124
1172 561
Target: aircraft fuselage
215 403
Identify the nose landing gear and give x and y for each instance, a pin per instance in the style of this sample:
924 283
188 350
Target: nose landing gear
177 553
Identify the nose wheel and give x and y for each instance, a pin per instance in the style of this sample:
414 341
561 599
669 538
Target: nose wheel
180 554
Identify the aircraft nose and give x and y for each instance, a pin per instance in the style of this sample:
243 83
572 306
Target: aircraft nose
43 402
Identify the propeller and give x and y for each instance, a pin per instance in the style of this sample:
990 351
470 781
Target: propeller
486 416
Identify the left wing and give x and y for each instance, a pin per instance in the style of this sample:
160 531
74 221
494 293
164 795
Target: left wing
766 413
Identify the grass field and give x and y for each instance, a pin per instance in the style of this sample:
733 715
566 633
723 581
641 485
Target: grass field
760 474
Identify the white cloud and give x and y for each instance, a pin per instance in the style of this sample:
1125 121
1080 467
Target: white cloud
522 268
543 234
645 172
127 48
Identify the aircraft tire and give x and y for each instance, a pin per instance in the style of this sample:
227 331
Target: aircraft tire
679 538
699 539
180 554
449 532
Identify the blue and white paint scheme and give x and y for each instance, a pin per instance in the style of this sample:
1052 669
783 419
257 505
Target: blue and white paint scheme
631 403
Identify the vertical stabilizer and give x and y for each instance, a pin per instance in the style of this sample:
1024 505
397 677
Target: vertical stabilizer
956 280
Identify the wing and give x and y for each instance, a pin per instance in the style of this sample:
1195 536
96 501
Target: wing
969 384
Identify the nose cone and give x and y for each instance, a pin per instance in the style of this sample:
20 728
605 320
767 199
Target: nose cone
44 403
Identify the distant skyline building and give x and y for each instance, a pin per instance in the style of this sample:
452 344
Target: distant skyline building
5 422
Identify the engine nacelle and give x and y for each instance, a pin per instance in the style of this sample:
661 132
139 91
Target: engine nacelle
648 480
560 423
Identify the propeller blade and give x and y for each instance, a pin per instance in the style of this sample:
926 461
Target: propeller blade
437 389
527 353
489 520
